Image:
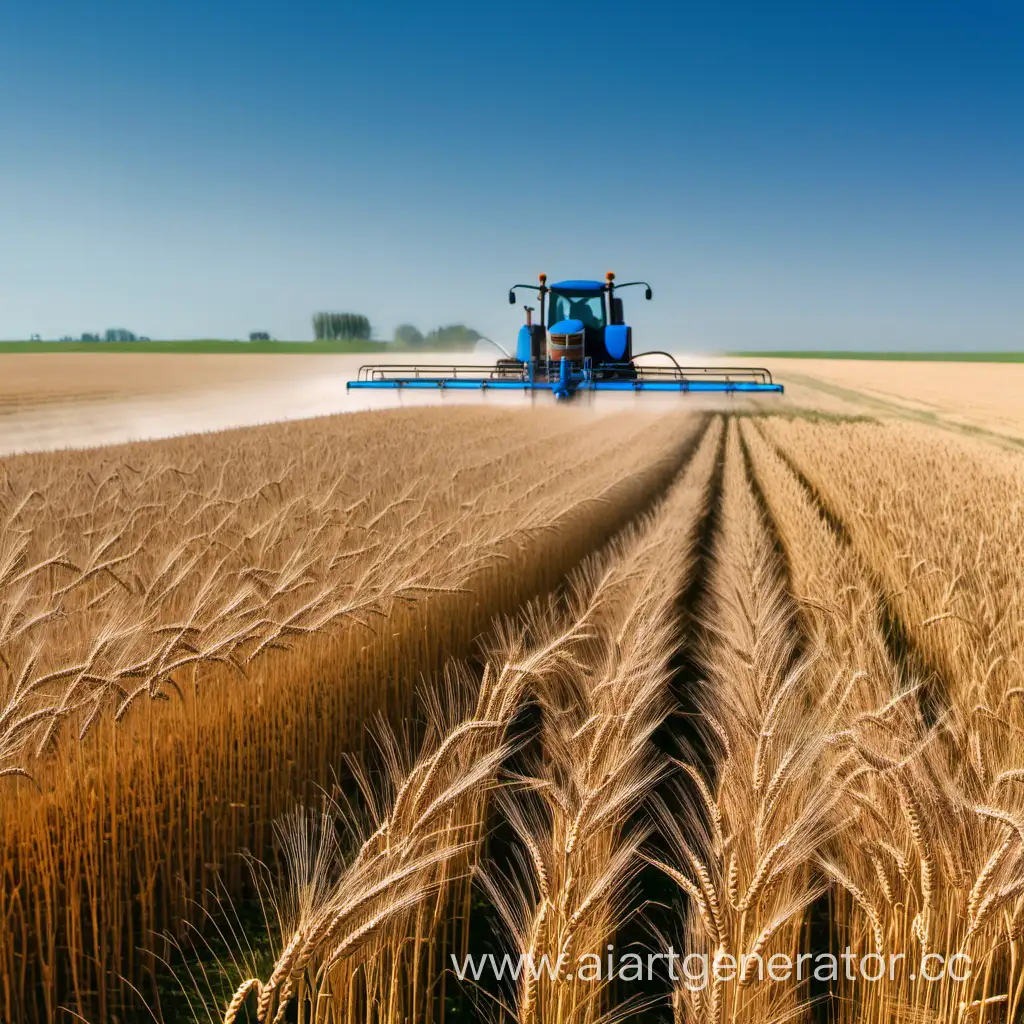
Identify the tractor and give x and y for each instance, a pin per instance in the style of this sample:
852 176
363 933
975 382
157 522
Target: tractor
580 342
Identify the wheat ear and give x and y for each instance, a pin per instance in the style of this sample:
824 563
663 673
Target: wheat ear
239 998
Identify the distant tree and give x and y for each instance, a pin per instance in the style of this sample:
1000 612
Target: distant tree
409 336
454 336
90 337
341 327
118 334
35 337
259 336
67 337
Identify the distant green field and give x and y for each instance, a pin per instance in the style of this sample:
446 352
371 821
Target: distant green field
207 345
916 357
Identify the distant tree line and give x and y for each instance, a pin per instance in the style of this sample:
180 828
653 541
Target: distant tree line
356 327
341 327
112 334
408 336
454 336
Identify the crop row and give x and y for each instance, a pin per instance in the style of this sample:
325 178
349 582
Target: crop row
196 631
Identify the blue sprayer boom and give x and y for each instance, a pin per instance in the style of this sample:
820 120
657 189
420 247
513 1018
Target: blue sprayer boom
581 343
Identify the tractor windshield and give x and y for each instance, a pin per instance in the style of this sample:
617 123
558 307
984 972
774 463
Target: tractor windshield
587 308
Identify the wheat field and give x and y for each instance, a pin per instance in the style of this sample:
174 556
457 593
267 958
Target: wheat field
295 717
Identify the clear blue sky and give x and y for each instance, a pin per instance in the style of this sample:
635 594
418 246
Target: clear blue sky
826 174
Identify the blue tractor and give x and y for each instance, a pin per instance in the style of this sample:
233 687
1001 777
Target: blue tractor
580 342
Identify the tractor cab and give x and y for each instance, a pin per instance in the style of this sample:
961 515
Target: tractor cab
578 300
576 320
580 321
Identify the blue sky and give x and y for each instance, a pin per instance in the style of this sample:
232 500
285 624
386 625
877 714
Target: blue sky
809 175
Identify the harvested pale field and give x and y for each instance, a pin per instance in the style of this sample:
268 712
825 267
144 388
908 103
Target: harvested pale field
43 379
985 395
65 400
749 684
982 398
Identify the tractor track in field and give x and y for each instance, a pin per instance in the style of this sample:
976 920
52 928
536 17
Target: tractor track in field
904 653
785 567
